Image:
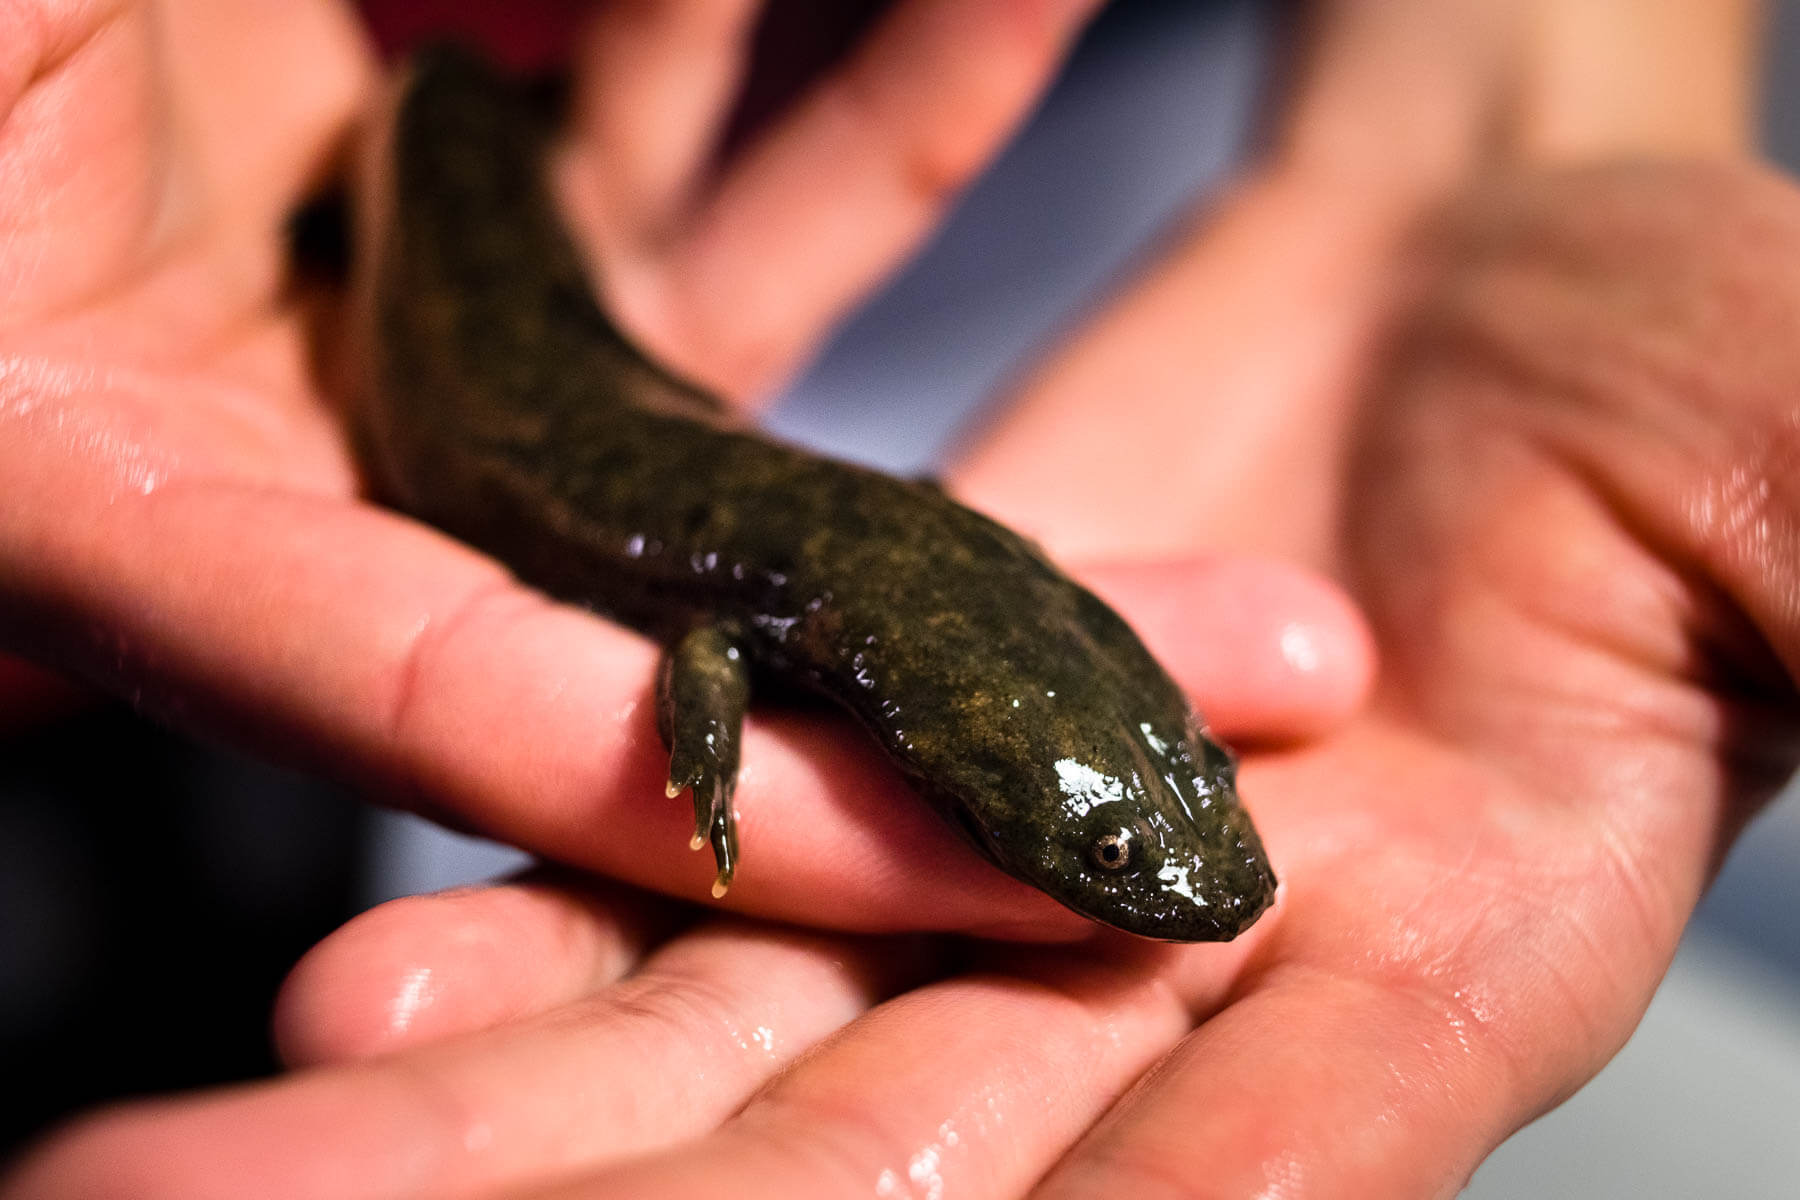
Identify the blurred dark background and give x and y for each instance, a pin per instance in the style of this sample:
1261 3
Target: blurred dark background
153 893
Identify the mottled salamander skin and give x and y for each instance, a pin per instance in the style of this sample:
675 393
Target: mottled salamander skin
506 409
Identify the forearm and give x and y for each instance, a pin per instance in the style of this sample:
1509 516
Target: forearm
1419 93
1610 78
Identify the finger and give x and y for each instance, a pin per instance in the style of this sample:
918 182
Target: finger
662 1057
831 198
983 1081
1319 1086
654 84
424 968
385 650
1319 677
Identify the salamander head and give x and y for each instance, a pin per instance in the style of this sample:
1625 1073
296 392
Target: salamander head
1138 831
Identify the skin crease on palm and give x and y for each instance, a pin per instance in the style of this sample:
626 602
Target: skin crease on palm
1554 456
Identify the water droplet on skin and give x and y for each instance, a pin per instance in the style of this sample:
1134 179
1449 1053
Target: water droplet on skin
1299 649
923 1171
417 993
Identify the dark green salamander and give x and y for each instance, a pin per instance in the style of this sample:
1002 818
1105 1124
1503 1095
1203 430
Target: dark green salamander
507 410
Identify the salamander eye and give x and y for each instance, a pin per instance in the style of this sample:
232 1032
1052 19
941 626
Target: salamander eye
1112 852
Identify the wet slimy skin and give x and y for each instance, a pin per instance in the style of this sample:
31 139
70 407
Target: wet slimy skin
506 409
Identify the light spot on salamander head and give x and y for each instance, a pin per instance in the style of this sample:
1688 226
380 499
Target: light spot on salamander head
1139 830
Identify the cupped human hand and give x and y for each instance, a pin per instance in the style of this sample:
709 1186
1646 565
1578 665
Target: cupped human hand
1576 530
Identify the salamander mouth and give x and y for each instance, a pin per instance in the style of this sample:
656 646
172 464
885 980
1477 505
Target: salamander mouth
1203 904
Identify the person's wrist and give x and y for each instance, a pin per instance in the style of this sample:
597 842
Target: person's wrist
1393 105
1605 79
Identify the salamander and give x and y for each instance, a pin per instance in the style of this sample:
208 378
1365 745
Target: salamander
503 406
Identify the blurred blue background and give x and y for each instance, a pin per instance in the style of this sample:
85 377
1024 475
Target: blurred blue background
235 867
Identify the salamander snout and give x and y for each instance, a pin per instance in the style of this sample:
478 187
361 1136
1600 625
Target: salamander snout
1145 834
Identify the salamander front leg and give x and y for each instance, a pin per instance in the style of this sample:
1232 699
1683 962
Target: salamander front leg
701 694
